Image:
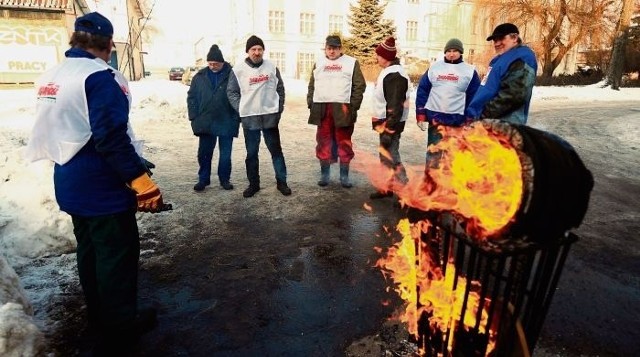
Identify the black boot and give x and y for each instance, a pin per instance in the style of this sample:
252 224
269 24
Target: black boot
325 173
283 188
344 176
251 190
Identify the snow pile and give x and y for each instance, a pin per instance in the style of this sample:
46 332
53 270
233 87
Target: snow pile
19 335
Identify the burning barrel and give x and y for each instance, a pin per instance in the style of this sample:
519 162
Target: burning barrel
486 238
503 179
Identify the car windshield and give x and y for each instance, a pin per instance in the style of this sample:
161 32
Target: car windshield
177 69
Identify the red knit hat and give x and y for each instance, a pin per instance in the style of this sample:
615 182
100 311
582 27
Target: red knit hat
387 49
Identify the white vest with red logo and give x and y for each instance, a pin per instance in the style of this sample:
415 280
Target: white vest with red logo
62 126
379 102
258 95
449 83
333 80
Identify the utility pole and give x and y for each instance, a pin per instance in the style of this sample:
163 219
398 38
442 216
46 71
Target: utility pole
195 50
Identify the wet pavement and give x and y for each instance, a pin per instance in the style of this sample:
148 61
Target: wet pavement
304 287
295 276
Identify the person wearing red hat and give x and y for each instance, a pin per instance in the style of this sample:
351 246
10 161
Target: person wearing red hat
391 109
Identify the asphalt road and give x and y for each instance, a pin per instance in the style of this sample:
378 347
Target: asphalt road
294 276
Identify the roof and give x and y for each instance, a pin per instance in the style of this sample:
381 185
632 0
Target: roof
39 4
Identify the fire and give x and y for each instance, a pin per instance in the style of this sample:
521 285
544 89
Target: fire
478 177
424 287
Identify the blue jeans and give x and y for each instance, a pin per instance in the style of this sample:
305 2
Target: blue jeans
252 143
205 155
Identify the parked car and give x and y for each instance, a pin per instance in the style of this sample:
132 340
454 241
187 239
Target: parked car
189 72
175 73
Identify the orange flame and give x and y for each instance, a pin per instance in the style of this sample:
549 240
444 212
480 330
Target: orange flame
478 176
420 282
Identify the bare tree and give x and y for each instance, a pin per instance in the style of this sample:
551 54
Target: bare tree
614 75
554 27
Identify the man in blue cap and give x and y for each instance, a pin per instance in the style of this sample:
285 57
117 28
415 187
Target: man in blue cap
505 91
100 180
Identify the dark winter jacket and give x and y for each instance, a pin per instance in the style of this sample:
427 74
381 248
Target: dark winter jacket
208 107
505 92
94 182
395 90
343 114
256 122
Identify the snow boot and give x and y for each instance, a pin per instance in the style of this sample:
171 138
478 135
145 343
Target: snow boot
344 176
325 172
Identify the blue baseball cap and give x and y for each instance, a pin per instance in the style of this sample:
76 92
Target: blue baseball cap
94 23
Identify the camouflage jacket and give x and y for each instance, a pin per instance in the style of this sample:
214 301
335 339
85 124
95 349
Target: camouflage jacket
505 91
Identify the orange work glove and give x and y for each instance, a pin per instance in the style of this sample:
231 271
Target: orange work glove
147 193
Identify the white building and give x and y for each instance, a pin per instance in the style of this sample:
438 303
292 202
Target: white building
294 31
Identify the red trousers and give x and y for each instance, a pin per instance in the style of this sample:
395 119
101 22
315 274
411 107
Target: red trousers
333 142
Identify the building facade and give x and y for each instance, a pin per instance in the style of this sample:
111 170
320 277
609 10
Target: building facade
127 17
294 31
34 34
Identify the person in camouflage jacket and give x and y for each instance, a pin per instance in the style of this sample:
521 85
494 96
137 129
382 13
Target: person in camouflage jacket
505 91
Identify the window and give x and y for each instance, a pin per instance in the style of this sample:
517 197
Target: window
336 23
305 64
475 25
307 24
412 30
276 21
440 19
278 58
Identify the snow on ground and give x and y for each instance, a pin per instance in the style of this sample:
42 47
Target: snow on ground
31 226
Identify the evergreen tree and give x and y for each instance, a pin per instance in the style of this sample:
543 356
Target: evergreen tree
368 29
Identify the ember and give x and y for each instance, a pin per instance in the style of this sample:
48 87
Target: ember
486 238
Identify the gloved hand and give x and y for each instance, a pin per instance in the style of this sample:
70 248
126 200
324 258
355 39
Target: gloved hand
147 193
378 124
421 120
149 165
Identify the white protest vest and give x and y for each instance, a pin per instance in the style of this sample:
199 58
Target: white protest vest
62 126
379 103
449 83
333 80
258 95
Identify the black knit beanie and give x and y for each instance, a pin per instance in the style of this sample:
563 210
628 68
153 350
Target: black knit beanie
252 41
215 54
